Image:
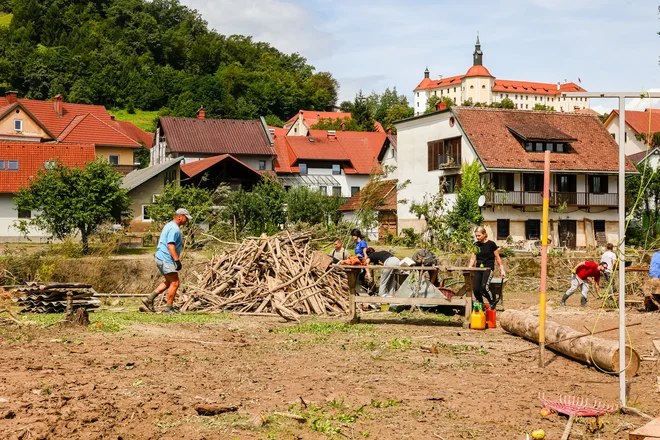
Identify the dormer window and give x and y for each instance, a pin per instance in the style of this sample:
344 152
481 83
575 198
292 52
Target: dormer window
536 138
18 125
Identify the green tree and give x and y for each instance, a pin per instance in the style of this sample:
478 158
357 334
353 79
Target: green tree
336 124
505 103
274 121
261 210
466 213
361 114
197 201
346 106
395 113
313 207
643 191
543 107
65 201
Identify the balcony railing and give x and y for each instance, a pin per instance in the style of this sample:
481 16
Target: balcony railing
535 198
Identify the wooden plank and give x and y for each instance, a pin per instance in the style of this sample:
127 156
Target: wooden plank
656 344
637 269
461 302
649 431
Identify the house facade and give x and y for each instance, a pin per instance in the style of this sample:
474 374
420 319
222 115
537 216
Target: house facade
59 122
509 146
19 162
333 162
638 127
302 123
144 185
479 85
199 138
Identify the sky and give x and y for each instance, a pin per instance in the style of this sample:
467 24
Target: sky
610 45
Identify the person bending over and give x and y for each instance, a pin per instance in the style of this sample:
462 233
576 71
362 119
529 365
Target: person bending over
388 281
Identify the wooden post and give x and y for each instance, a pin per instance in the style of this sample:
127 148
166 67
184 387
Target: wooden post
352 276
544 257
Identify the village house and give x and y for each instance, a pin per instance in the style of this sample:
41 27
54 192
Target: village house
383 201
302 123
479 85
334 162
248 141
639 126
21 161
59 122
509 146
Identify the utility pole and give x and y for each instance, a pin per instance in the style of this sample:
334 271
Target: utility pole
621 96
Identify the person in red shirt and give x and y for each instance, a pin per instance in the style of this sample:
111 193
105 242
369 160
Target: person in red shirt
580 278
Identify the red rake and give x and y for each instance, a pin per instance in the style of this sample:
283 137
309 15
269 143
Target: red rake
576 406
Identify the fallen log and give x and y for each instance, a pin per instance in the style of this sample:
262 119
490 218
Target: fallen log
213 410
601 353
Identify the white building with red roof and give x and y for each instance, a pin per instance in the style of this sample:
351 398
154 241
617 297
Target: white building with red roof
640 125
479 85
509 146
302 123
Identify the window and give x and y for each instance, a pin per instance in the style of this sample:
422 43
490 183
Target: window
625 136
566 183
336 191
559 147
435 93
516 96
471 87
502 229
503 181
3 164
336 169
526 97
170 176
323 190
536 98
533 182
445 153
539 146
145 216
599 225
529 146
24 214
533 229
526 106
12 165
18 125
303 168
262 165
597 184
501 95
354 190
49 164
450 183
516 105
483 87
418 94
114 159
418 104
454 89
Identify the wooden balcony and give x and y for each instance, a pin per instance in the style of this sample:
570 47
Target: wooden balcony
534 198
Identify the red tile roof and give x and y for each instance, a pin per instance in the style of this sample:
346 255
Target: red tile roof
311 117
508 86
358 150
477 71
32 156
639 122
136 133
44 111
192 169
386 193
498 148
89 129
428 83
216 136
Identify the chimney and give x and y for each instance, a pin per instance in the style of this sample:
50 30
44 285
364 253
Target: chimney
343 126
112 117
201 113
441 105
388 131
558 86
439 77
57 103
332 134
272 132
12 97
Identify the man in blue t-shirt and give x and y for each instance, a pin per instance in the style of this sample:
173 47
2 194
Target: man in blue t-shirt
167 257
654 271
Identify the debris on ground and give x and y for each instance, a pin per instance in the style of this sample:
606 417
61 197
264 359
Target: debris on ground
38 297
651 289
280 275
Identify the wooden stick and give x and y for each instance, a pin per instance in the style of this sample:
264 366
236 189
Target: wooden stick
569 426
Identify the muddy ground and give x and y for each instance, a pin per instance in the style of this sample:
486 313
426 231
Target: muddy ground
373 380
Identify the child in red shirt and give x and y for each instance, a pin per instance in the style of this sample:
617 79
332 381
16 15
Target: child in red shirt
580 278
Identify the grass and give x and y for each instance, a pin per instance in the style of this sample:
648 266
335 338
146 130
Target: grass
136 251
142 118
5 19
114 322
324 328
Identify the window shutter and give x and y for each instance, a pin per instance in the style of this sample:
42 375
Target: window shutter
431 155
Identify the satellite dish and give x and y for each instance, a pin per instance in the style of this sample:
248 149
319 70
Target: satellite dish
481 201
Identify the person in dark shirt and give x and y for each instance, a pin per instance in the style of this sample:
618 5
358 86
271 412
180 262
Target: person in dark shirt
485 257
388 282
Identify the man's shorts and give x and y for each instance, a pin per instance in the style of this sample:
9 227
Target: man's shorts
165 267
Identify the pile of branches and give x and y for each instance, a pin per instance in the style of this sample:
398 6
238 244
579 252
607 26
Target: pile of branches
281 274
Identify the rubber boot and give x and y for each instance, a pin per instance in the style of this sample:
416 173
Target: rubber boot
149 301
170 310
563 300
583 301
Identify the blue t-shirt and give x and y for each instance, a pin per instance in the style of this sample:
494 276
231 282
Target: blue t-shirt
359 248
170 234
654 272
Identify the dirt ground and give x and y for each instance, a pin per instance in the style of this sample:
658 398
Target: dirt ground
373 380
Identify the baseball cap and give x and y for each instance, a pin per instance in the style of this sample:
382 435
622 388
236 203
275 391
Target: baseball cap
183 211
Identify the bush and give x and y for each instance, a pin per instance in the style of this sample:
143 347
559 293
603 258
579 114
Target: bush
409 238
506 252
259 211
313 207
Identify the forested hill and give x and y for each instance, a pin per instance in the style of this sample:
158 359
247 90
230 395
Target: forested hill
150 55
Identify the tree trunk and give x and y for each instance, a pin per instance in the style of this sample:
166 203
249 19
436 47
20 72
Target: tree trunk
601 353
85 242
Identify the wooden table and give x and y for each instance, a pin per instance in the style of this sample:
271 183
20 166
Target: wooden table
462 298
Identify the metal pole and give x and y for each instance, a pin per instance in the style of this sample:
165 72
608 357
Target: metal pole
622 249
544 256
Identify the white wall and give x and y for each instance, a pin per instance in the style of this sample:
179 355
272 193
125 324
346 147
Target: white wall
370 234
390 160
633 145
346 181
8 215
412 143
